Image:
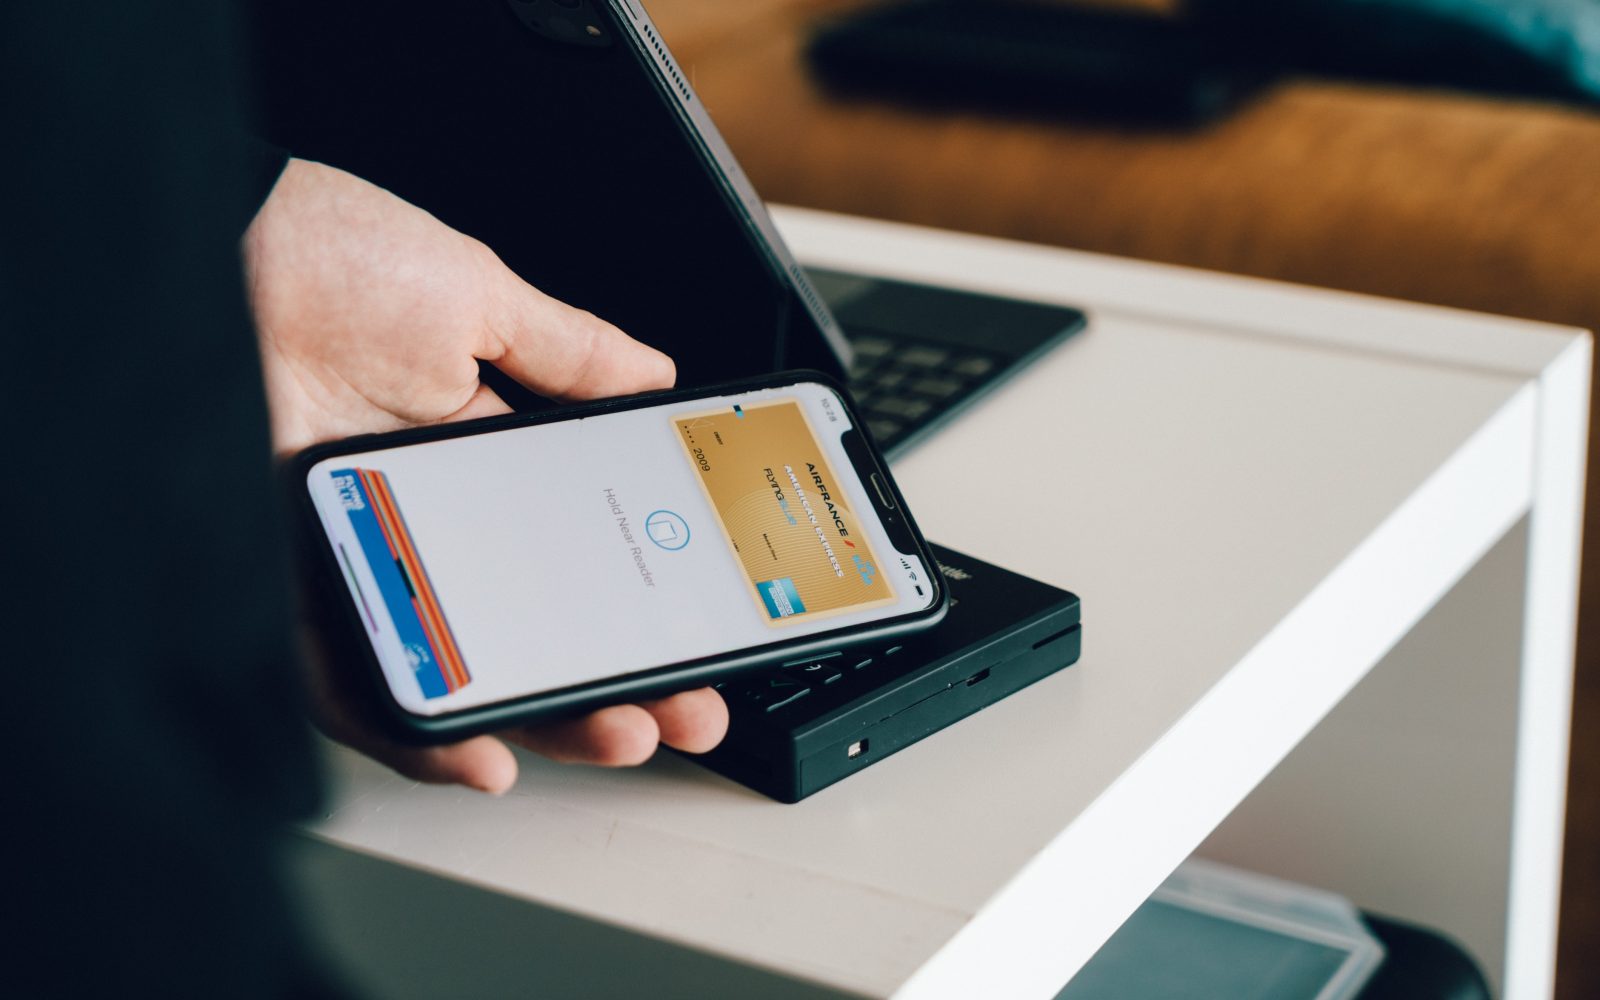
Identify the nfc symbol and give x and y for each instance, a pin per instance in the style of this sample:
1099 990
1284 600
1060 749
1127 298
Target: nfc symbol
667 530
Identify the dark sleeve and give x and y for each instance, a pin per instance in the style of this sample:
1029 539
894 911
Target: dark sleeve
157 747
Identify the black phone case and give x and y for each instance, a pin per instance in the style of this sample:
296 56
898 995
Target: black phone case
798 729
336 614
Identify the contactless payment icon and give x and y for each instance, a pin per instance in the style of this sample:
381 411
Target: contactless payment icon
667 530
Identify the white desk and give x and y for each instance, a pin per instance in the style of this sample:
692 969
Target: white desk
1259 491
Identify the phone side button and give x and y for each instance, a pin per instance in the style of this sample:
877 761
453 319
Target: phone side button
884 496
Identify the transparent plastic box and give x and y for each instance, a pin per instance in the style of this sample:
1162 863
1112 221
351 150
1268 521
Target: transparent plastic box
1213 931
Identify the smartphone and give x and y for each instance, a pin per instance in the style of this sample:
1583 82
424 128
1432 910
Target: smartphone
503 570
562 134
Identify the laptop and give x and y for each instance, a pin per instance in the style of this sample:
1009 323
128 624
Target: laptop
563 135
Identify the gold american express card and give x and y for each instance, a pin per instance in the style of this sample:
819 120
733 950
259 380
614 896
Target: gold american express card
782 511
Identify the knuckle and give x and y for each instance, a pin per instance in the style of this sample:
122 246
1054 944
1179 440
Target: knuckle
585 333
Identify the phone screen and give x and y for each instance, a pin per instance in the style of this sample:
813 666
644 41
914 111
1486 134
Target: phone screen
493 566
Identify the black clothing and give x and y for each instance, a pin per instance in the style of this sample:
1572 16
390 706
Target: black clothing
157 744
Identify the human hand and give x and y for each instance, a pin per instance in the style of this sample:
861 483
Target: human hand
372 315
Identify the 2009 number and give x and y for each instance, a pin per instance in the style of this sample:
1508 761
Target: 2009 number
700 459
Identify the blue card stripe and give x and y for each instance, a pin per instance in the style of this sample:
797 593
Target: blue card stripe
391 585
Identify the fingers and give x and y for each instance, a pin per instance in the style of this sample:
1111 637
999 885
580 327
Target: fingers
625 735
559 351
619 736
694 721
482 762
484 403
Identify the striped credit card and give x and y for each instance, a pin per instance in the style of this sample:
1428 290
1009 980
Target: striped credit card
403 583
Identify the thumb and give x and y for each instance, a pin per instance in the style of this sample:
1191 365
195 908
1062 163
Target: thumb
559 351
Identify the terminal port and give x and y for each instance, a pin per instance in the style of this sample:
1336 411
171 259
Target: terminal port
856 749
978 677
1052 637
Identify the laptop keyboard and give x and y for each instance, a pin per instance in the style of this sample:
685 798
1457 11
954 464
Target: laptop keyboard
904 384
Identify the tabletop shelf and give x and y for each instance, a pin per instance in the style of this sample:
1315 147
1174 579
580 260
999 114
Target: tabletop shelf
1256 489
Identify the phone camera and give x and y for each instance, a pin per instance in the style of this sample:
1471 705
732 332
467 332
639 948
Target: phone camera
569 22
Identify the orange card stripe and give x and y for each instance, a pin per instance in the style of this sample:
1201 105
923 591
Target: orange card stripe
429 612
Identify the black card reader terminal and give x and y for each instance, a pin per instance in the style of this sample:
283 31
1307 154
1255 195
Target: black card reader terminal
799 728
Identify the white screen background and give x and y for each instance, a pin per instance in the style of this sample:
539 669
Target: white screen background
532 571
